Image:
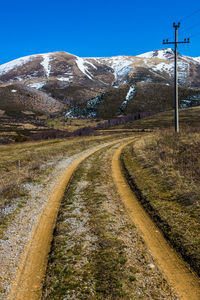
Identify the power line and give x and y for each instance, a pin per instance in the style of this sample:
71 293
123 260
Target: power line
189 28
185 18
194 35
190 15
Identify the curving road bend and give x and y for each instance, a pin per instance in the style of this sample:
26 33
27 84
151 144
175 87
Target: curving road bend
31 269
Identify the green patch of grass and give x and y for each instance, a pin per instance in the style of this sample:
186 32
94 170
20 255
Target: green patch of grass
132 278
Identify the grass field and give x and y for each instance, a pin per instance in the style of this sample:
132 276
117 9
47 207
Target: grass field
187 117
20 128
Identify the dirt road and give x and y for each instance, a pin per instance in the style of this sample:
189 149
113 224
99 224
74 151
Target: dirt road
28 282
97 252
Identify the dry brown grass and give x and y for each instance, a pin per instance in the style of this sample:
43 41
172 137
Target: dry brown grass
70 124
188 117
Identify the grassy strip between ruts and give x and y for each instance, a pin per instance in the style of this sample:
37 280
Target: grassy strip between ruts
163 170
87 260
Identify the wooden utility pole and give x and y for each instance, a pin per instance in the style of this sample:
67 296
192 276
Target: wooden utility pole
176 117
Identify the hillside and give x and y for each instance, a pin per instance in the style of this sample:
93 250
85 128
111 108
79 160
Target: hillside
16 99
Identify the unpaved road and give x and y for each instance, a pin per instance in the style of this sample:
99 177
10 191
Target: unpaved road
28 282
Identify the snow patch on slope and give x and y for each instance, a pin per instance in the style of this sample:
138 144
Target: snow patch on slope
129 96
197 59
89 63
5 68
89 111
65 79
123 72
183 70
81 63
164 67
191 101
37 85
46 63
119 64
130 93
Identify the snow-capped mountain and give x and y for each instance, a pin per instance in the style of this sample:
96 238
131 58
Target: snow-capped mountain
73 80
68 69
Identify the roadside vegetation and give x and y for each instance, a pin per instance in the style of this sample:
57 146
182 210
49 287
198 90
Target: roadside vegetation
163 169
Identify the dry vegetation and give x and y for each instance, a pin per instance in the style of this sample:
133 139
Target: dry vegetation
22 127
188 117
164 170
70 124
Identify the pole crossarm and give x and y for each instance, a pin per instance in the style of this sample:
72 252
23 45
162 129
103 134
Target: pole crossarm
185 42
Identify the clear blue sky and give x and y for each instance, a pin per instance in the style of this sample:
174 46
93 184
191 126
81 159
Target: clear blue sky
94 28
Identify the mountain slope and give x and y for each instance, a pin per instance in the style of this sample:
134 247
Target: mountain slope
17 98
71 80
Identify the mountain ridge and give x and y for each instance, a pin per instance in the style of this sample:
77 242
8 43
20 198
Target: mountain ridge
72 80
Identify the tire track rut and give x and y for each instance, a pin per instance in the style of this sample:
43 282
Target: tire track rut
185 283
31 270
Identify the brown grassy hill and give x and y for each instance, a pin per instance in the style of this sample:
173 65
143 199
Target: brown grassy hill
149 97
